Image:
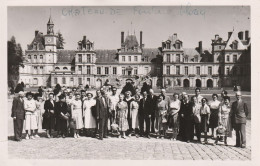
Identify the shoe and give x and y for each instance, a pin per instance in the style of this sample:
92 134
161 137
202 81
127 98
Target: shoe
188 141
27 137
37 136
75 136
78 136
105 137
137 136
236 146
162 137
32 137
51 136
174 139
225 144
148 137
48 136
206 142
63 136
157 137
100 138
124 137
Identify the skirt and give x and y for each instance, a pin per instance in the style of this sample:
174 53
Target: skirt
30 122
48 121
203 125
213 120
173 121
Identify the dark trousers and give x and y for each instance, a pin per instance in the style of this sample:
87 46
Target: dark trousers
18 128
197 130
181 127
141 125
189 130
152 124
147 125
240 134
103 127
129 120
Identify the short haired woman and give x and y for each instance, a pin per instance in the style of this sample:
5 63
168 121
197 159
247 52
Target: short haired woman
76 111
214 109
121 113
205 115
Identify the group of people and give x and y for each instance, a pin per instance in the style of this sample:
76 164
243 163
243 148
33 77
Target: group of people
78 113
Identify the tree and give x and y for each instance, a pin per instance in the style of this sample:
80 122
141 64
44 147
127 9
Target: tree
15 60
128 87
61 42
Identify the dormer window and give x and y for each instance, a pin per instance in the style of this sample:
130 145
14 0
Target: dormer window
88 46
235 45
196 59
178 46
168 45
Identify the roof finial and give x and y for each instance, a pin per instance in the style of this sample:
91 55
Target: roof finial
233 28
134 31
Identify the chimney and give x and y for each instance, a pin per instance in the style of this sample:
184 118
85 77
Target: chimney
229 34
246 35
122 37
240 35
216 37
200 47
141 39
36 32
175 35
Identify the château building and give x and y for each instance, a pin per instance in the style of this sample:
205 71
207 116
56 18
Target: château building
226 64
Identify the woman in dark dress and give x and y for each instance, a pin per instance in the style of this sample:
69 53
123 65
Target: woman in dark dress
214 109
62 116
128 99
48 122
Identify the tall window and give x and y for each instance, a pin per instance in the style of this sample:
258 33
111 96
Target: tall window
88 69
29 56
123 71
158 70
135 58
88 46
177 45
186 59
135 71
177 57
106 70
41 57
129 58
234 58
35 56
98 70
35 81
186 70
63 80
80 58
227 71
168 70
80 81
235 45
123 58
178 70
168 58
35 69
196 59
114 70
198 70
228 58
55 81
210 70
80 68
88 58
168 45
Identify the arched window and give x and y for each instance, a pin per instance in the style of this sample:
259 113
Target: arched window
57 68
35 56
29 57
65 68
41 57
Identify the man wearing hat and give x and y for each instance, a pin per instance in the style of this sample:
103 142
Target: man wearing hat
18 114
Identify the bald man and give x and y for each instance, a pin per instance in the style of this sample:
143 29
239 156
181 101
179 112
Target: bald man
239 113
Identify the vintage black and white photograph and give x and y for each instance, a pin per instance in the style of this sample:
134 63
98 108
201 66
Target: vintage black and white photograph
129 82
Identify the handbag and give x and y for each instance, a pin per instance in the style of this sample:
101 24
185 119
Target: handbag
46 114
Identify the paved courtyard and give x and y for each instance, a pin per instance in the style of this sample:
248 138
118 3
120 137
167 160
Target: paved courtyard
118 148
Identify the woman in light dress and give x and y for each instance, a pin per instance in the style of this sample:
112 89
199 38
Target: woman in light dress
121 113
160 115
30 115
76 111
224 118
90 121
39 112
174 108
134 106
197 117
214 109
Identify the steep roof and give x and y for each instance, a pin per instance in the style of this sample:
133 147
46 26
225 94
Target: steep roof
106 56
65 56
50 21
38 40
131 41
231 39
151 52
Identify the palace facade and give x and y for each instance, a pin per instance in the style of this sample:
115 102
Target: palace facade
226 64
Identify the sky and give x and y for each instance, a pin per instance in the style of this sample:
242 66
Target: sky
103 25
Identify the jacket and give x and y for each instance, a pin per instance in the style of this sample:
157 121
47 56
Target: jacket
239 112
102 112
18 108
145 109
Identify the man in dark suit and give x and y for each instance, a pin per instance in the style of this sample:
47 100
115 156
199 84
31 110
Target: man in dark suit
153 107
18 115
145 112
239 113
103 108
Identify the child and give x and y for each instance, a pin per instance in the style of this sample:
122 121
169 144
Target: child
221 131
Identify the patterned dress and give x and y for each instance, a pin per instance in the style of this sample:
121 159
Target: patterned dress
174 108
224 117
77 113
134 106
39 112
161 115
122 110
